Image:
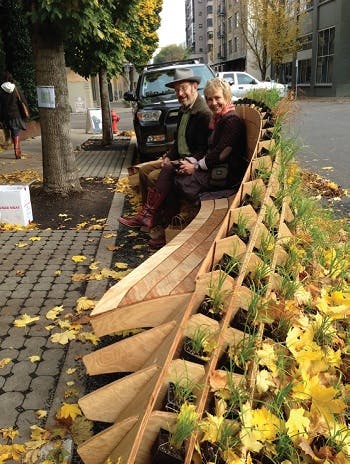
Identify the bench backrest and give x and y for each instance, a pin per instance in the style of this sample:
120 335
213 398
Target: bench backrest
253 123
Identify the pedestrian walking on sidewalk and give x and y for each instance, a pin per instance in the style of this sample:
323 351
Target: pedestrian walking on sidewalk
11 113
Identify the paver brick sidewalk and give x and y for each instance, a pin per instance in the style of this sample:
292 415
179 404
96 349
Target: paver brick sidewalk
30 284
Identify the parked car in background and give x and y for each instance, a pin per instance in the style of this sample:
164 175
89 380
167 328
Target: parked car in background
155 107
241 82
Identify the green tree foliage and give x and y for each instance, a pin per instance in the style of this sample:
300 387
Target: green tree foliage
17 49
132 37
171 53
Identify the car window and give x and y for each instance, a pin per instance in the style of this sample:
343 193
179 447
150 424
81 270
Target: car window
228 76
153 82
244 79
204 73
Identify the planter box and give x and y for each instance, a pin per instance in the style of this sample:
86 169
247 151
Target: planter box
15 205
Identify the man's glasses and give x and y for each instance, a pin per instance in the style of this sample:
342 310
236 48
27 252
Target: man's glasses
182 88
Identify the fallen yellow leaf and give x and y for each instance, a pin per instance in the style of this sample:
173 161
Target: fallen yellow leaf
21 244
78 258
54 312
63 337
121 265
25 320
9 432
68 410
40 413
4 362
109 235
84 303
34 358
35 239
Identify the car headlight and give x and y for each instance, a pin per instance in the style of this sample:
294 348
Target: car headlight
148 115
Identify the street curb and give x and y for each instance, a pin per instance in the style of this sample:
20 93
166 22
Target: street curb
94 290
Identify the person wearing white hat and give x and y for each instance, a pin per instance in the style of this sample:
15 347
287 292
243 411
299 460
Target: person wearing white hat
10 114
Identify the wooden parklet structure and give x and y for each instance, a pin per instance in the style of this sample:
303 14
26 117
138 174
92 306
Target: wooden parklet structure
162 296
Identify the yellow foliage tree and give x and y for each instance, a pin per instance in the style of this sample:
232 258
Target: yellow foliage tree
271 29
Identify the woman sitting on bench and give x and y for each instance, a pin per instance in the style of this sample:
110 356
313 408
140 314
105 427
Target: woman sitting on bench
222 167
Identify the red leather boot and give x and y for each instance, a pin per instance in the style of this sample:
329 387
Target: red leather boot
145 218
17 146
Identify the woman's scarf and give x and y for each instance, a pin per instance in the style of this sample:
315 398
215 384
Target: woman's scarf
216 117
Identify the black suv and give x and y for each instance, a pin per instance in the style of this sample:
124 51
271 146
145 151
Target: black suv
156 107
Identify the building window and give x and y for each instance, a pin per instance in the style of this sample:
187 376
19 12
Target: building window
200 13
236 20
94 88
209 22
325 55
305 42
210 35
210 9
229 25
304 71
200 26
236 44
230 49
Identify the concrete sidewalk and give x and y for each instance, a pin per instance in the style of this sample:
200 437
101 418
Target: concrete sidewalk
30 285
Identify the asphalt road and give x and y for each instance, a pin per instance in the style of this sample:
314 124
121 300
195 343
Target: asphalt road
321 129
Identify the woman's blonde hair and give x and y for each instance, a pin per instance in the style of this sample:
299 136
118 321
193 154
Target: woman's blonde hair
215 84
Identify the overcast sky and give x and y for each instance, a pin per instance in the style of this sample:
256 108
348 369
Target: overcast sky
172 28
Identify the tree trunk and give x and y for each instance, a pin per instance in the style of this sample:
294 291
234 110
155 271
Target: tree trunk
107 135
60 174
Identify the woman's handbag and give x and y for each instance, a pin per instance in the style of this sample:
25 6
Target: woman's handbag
218 175
22 106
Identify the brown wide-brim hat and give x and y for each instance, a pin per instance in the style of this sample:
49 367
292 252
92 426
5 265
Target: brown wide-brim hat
183 75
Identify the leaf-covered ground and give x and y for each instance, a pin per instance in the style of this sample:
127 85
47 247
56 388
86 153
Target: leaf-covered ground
82 210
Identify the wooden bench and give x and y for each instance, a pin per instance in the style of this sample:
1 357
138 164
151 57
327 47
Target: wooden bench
162 295
172 270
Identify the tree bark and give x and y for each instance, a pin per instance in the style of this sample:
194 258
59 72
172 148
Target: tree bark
60 174
107 135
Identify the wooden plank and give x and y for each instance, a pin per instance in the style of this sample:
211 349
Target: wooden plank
97 449
284 234
232 246
191 259
164 277
263 162
106 403
129 446
182 371
130 354
115 294
142 314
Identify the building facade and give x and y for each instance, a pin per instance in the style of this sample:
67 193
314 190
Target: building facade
321 66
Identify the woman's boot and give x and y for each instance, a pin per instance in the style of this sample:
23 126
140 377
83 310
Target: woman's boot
145 218
17 146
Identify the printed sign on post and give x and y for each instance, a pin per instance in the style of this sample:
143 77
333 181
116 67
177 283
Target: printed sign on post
94 120
46 96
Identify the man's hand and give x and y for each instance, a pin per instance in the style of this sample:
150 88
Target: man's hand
165 161
186 168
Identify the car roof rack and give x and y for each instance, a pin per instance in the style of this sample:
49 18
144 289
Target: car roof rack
171 63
